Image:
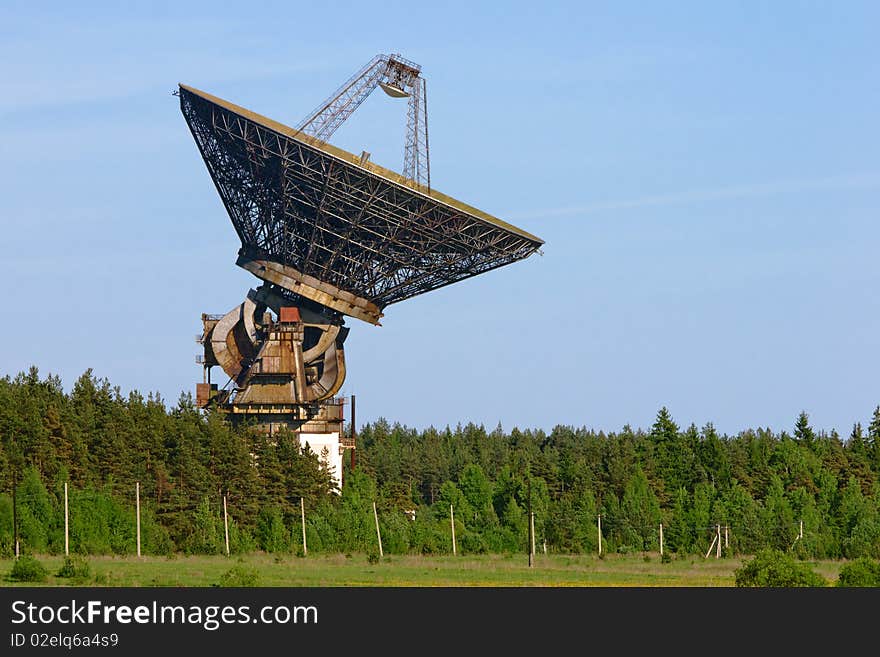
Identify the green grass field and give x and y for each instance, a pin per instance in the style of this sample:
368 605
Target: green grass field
399 570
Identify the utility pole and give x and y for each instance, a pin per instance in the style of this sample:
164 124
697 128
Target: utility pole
661 539
718 536
226 525
452 524
66 525
353 430
302 510
15 511
532 529
801 532
599 521
137 498
531 526
726 541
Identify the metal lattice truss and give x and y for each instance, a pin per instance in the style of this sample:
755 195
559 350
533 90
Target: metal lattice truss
416 159
332 227
398 77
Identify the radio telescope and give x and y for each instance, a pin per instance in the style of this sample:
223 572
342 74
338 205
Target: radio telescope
330 235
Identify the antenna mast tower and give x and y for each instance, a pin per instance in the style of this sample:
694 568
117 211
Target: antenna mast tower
397 77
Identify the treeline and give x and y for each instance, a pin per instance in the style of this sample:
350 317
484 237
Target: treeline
814 494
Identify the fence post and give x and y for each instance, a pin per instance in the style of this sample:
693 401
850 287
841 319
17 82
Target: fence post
378 533
66 525
137 497
15 513
226 525
452 524
302 510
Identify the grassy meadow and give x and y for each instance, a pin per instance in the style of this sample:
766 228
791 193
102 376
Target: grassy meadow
404 570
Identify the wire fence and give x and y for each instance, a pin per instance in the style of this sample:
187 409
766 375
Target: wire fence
608 528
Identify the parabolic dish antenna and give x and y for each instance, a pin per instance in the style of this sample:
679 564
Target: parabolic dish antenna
330 234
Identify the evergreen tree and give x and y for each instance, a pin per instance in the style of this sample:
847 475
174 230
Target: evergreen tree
874 441
679 535
640 514
803 432
777 517
186 460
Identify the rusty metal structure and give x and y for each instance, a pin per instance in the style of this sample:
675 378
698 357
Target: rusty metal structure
329 234
397 77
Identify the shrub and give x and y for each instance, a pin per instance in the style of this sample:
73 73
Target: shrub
75 568
861 572
35 513
774 568
27 569
156 539
239 575
101 524
666 558
7 549
270 533
205 530
472 543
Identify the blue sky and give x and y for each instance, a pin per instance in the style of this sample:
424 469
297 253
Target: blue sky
705 175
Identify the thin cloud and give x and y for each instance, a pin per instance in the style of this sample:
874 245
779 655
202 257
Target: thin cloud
851 181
